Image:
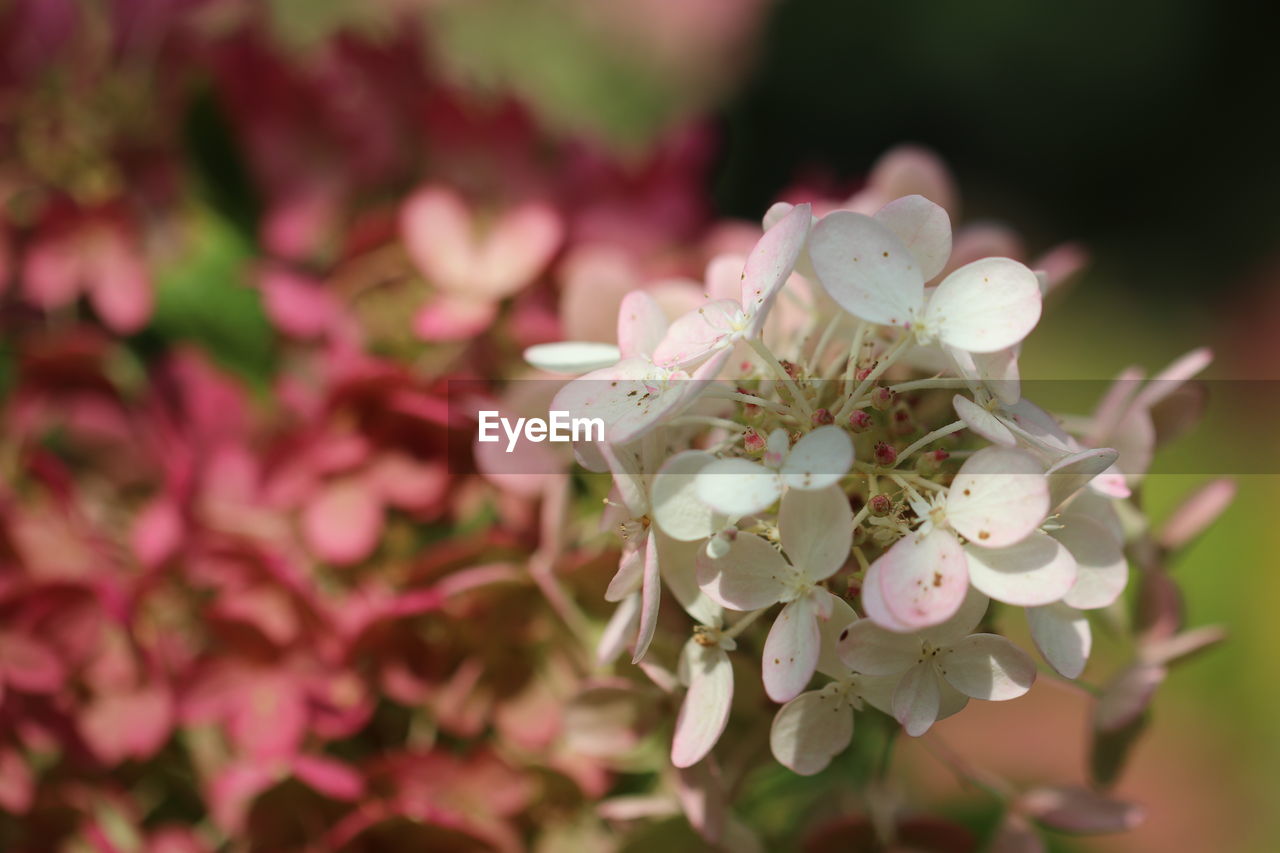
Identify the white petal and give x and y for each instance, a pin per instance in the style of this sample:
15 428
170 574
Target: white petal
791 650
750 576
950 700
650 597
987 666
871 650
738 487
830 629
983 422
697 333
621 626
674 497
810 730
866 268
1037 570
985 306
632 397
817 530
572 357
1073 472
819 459
1103 570
1038 427
1063 637
641 324
873 604
923 579
923 227
705 709
877 690
998 497
962 624
771 262
916 699
998 371
678 564
629 576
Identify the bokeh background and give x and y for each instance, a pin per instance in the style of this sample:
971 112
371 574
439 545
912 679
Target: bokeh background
228 139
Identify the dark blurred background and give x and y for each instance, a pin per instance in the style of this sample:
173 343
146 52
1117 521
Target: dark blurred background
1143 129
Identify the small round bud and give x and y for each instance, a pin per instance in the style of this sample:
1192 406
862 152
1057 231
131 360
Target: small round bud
883 398
822 417
886 454
901 422
931 463
860 421
753 442
880 505
862 373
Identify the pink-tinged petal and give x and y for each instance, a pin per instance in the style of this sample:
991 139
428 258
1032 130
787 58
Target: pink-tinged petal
751 575
593 281
791 650
134 724
703 799
917 699
983 422
985 306
913 170
157 532
705 710
1072 473
332 778
1063 636
987 666
1114 404
1102 570
923 579
1127 696
342 523
630 574
571 358
1033 571
233 790
642 325
1038 427
698 333
297 305
984 240
29 665
51 272
436 227
622 625
414 484
1171 650
867 269
118 285
724 278
632 397
673 496
923 227
1173 377
17 782
518 249
737 487
998 497
771 263
873 604
810 730
1197 513
817 530
650 597
871 650
448 318
270 718
1016 834
819 459
1080 810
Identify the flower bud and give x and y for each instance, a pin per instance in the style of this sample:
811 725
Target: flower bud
860 421
822 417
792 369
880 505
750 411
931 463
901 422
882 398
753 442
886 454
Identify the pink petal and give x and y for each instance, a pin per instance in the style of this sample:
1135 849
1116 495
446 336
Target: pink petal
867 269
1196 513
705 710
17 782
695 335
436 227
650 597
132 724
297 305
791 650
157 532
641 324
118 284
447 318
923 227
343 522
923 579
29 665
332 778
517 249
771 262
1072 809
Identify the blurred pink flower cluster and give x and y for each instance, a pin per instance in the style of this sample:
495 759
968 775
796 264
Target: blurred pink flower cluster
269 609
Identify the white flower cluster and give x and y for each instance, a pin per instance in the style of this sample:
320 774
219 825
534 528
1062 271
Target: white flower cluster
779 451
